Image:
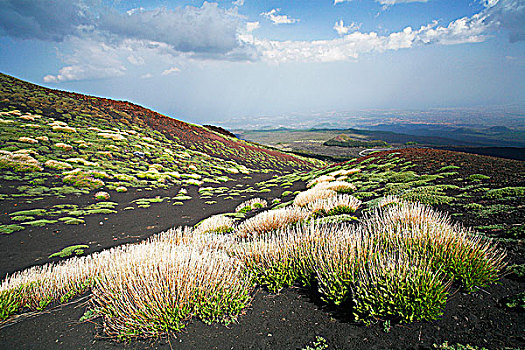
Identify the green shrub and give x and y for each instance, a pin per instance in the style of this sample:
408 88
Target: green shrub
477 177
432 195
8 229
515 302
448 168
505 192
68 220
22 218
407 289
445 346
83 180
69 251
30 212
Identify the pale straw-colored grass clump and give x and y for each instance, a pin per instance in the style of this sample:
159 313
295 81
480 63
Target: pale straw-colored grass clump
338 186
270 220
27 139
64 146
217 224
67 129
19 161
251 204
320 179
311 195
344 172
112 136
339 204
56 164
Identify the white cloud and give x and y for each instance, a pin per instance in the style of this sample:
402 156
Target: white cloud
251 26
508 15
238 3
395 2
99 43
135 60
341 29
350 46
146 76
78 72
278 19
170 71
340 1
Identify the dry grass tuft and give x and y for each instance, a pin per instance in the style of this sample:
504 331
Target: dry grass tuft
112 136
216 224
311 195
320 179
344 172
68 129
19 161
177 264
55 164
470 259
27 140
338 186
270 220
64 146
339 204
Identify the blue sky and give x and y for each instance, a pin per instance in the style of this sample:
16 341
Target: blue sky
210 61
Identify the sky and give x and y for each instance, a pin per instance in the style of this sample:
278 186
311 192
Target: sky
210 61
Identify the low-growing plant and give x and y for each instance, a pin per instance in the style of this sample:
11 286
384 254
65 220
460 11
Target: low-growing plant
515 302
446 346
102 196
337 205
319 343
8 229
477 177
180 282
254 203
271 220
303 198
215 224
68 220
448 168
39 223
22 218
505 192
19 162
70 251
81 179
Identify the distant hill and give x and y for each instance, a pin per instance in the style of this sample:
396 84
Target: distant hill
347 141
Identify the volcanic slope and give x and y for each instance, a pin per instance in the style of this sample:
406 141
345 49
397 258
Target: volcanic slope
49 213
60 149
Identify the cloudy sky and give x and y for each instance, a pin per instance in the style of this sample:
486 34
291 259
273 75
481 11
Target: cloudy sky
207 61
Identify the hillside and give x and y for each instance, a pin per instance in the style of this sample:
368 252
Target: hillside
59 149
218 243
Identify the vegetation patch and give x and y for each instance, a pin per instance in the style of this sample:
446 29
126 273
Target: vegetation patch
8 229
70 251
